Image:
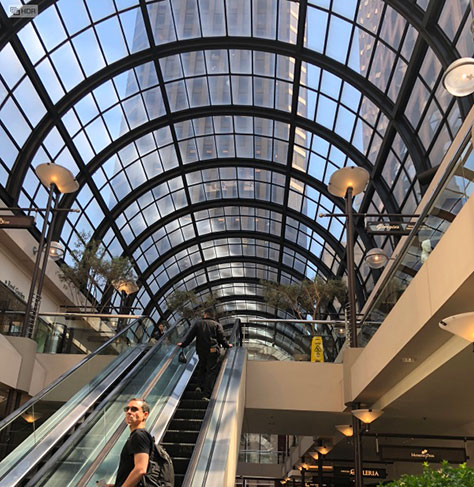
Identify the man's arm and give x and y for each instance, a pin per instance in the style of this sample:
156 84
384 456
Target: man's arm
189 337
141 464
221 337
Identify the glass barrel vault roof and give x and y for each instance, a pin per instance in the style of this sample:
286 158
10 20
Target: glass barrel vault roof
203 133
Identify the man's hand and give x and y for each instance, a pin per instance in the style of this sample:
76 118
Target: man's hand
179 344
230 345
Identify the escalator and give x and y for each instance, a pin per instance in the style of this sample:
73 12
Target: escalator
85 447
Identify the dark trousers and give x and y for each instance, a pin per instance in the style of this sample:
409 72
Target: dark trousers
208 370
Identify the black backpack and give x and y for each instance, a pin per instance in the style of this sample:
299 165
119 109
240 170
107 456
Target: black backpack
160 471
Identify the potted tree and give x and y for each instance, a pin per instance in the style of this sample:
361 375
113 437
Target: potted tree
189 306
92 275
305 298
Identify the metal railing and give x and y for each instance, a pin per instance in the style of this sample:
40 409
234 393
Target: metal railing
451 191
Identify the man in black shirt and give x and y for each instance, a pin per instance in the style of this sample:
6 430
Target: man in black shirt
136 451
209 335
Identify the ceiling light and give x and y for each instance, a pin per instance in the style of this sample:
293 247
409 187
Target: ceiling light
50 173
461 325
345 429
56 251
31 417
348 177
408 360
367 415
458 79
129 286
323 449
376 258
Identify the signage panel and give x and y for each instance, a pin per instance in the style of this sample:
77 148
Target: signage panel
430 454
369 472
16 221
389 228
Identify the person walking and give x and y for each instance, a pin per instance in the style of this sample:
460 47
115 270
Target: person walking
209 336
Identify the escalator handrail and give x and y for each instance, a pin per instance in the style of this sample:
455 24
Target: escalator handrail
237 328
18 412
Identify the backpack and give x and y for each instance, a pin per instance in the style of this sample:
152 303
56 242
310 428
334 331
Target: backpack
160 471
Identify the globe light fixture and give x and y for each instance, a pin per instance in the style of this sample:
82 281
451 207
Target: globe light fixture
367 416
461 325
458 79
376 258
345 429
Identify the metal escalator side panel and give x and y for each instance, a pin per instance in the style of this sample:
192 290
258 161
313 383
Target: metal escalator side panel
215 457
35 455
223 466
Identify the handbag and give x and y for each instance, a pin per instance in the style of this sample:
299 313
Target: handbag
160 471
182 357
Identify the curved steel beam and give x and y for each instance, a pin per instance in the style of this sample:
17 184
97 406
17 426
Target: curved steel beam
151 54
235 234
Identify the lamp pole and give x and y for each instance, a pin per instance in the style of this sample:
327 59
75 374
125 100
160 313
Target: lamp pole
57 179
346 183
33 296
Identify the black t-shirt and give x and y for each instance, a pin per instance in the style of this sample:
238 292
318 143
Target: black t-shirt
139 441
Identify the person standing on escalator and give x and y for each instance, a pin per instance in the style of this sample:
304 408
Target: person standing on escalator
138 450
209 336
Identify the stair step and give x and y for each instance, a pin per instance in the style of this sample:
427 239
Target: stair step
193 404
185 424
190 414
179 449
180 465
178 436
178 479
192 394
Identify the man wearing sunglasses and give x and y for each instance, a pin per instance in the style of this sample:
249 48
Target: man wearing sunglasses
136 451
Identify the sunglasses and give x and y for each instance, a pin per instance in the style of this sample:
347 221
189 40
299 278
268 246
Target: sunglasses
133 409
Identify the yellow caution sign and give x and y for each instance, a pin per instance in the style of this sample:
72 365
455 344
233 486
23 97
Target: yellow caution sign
317 349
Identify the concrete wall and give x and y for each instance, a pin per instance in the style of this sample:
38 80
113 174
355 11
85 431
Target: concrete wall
436 291
298 386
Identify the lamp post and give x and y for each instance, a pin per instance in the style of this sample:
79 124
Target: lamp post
57 179
125 287
346 183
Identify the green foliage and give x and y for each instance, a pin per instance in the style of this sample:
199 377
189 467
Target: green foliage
189 306
446 476
305 298
93 273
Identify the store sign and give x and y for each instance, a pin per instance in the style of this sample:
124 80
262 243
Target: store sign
317 349
389 228
422 454
16 221
373 473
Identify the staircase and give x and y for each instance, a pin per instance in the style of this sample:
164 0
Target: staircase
183 430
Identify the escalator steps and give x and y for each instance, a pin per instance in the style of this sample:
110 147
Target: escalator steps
183 430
